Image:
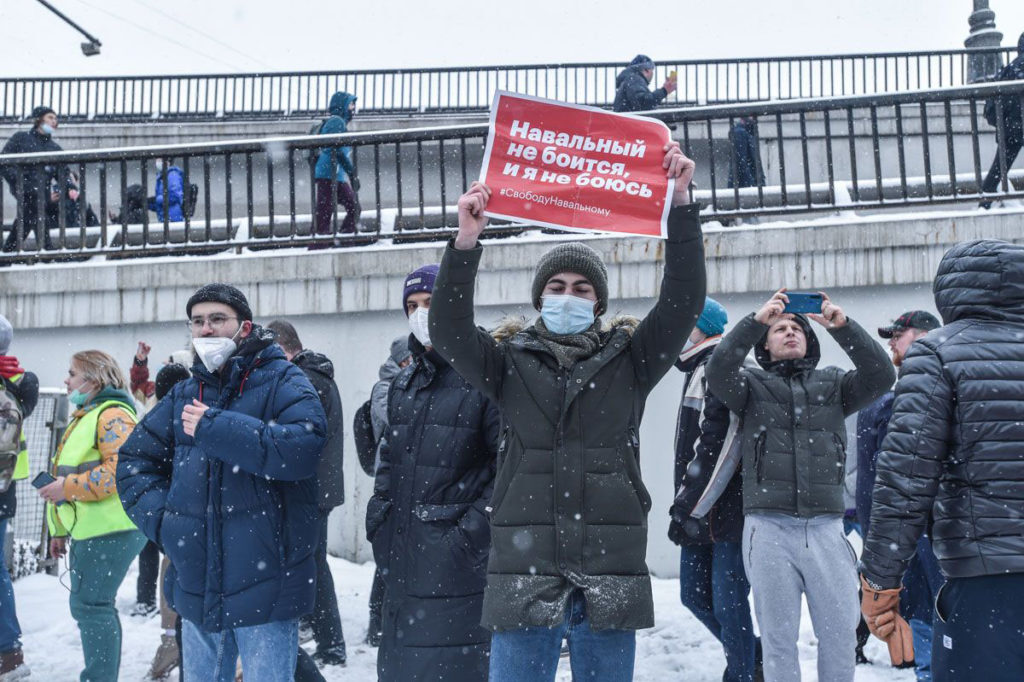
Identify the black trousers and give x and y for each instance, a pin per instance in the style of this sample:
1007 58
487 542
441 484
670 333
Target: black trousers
325 619
979 629
149 570
31 221
1014 140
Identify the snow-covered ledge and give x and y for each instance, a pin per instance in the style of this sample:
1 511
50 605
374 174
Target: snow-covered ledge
839 251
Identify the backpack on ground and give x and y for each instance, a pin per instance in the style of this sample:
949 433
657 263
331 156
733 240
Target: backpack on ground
12 419
366 443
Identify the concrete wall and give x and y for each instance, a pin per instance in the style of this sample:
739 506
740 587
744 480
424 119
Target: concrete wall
345 303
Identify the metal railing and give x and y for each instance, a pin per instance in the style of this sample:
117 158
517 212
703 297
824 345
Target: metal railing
43 430
859 153
445 90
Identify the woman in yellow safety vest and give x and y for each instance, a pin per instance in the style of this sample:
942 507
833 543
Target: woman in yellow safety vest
83 504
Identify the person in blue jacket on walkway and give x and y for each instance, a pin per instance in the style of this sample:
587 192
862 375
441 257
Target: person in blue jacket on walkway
174 178
221 475
334 165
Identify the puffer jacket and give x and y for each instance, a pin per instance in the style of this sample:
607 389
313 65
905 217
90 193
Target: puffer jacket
428 524
569 510
794 429
953 449
234 507
632 93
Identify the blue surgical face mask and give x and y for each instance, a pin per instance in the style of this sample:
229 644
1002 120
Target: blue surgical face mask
77 398
566 314
47 129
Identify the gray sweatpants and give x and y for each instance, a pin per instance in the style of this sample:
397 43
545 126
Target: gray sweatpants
786 557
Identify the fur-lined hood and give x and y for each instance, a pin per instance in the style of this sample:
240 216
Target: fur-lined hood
510 325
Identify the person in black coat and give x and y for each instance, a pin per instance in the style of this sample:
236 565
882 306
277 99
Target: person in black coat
427 518
631 93
1013 125
707 514
952 461
325 620
35 190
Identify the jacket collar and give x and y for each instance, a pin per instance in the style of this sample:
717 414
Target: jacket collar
694 355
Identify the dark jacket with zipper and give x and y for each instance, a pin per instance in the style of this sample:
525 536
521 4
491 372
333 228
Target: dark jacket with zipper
428 524
632 91
794 430
704 431
953 450
234 507
330 475
569 509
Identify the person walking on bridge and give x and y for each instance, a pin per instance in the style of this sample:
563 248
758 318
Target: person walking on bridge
334 170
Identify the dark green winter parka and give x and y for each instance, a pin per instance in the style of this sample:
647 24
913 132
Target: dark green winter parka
569 509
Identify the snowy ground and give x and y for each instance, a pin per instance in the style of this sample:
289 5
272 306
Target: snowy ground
677 648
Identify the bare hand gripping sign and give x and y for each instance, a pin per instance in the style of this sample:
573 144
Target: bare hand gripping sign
576 168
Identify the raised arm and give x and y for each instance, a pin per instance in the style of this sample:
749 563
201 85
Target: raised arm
472 352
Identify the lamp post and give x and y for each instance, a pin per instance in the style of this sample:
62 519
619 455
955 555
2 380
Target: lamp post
983 34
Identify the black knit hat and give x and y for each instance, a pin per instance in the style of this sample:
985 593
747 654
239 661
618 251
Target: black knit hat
572 257
168 376
219 292
39 112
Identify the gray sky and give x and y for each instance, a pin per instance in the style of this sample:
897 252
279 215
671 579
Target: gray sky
196 36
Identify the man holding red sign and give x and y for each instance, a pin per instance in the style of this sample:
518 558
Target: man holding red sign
569 509
576 168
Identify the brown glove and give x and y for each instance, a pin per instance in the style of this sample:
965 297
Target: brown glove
881 609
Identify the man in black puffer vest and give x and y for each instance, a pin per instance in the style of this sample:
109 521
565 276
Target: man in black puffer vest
794 458
955 451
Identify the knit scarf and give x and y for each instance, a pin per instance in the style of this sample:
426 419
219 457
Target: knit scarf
569 349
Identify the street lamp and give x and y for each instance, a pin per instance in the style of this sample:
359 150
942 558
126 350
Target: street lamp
984 65
91 47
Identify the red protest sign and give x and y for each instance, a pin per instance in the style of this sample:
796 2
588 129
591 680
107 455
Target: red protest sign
576 168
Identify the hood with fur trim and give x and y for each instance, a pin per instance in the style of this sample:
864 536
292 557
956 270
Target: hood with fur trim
510 325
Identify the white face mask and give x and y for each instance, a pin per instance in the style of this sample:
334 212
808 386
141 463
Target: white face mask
214 351
159 164
418 325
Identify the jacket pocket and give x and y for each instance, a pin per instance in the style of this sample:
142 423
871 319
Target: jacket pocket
632 462
946 601
506 473
759 444
840 458
377 510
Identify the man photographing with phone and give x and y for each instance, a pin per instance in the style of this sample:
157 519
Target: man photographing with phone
794 455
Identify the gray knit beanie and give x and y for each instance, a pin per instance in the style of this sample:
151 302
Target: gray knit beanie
572 257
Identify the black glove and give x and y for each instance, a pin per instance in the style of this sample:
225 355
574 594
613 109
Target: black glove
355 183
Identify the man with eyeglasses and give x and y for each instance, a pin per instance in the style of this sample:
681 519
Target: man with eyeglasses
220 474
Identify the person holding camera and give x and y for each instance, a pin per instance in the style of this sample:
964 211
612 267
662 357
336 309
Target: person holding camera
793 442
83 504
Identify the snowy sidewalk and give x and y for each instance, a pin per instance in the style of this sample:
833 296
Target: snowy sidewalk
677 648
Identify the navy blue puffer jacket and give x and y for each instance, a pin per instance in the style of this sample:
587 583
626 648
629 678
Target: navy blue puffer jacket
235 507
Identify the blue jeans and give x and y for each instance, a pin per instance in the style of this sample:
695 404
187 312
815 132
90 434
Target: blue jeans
268 652
10 631
530 654
922 632
714 587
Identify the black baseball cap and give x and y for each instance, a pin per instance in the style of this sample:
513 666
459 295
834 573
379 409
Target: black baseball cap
915 319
